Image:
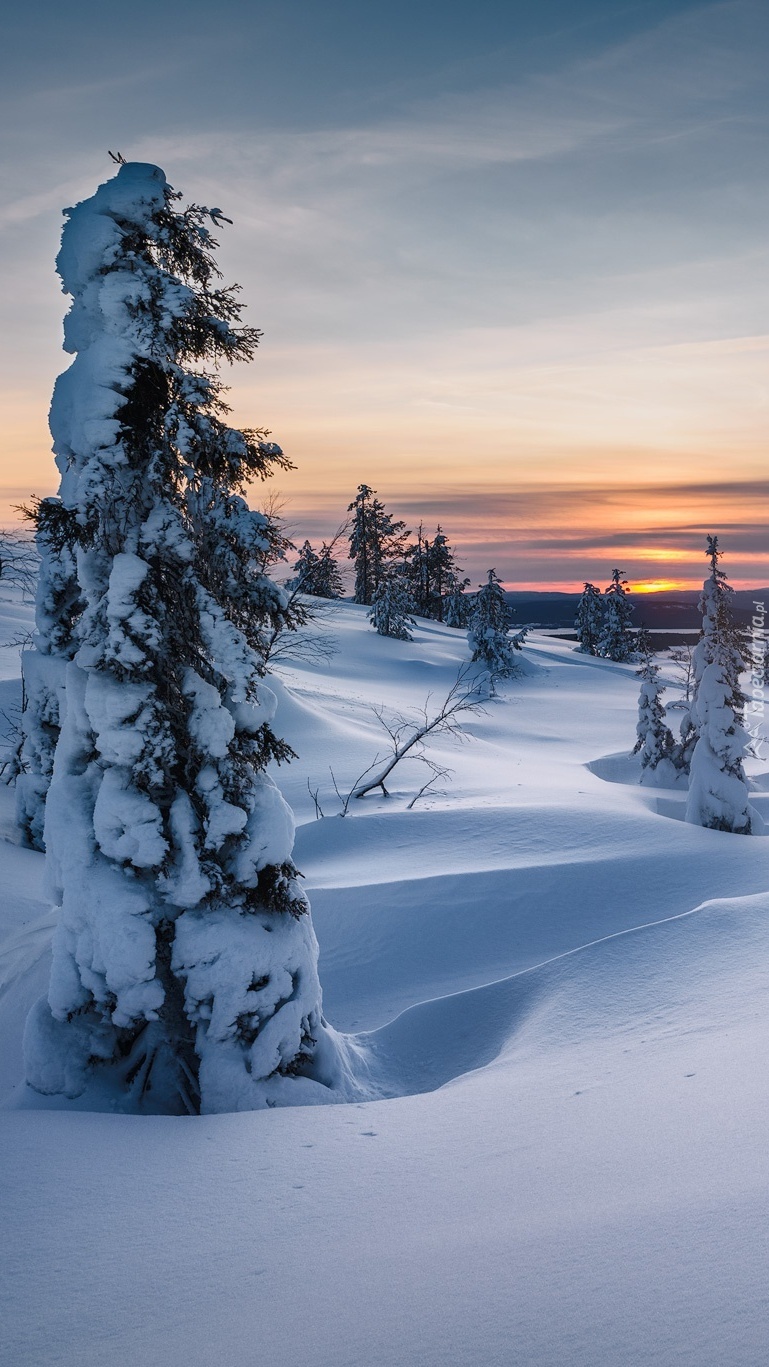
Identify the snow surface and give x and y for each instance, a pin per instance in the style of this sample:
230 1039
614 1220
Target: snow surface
564 989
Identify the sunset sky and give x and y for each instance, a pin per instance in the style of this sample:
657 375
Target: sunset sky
509 258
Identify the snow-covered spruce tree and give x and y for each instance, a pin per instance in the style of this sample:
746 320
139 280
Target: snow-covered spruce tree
643 645
184 960
58 605
589 619
306 568
417 572
431 573
459 605
488 632
719 633
375 540
328 576
442 574
391 609
616 639
718 790
655 741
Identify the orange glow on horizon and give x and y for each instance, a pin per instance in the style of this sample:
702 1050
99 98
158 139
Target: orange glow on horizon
664 585
639 587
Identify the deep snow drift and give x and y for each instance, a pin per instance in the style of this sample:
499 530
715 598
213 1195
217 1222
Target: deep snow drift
560 988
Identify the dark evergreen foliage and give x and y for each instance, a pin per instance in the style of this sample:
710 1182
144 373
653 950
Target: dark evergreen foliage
616 638
489 630
390 613
589 619
375 540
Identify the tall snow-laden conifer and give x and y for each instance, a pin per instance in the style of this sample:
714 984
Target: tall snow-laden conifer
417 572
306 569
431 573
328 576
441 573
375 541
459 605
714 738
718 790
616 639
317 572
719 634
655 741
589 619
488 633
184 964
390 613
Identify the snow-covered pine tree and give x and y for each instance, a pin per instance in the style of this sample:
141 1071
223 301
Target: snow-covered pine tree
616 639
306 569
488 633
58 605
720 630
184 960
441 573
589 619
718 790
375 540
459 605
643 645
417 572
328 576
655 740
391 609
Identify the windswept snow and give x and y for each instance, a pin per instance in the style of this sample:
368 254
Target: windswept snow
559 997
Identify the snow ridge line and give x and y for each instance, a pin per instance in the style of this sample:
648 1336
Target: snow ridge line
556 958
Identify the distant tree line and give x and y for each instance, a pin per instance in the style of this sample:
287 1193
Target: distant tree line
400 576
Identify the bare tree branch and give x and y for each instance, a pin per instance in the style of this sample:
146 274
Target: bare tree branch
18 560
346 798
437 775
682 660
407 738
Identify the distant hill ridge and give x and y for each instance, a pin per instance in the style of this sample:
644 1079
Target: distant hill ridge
655 610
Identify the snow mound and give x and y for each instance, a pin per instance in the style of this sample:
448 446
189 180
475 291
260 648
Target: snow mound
658 979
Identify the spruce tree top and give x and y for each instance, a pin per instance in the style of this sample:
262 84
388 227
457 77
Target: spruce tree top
148 462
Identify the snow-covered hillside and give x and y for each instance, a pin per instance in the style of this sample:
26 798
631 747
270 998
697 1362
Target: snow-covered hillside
561 990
